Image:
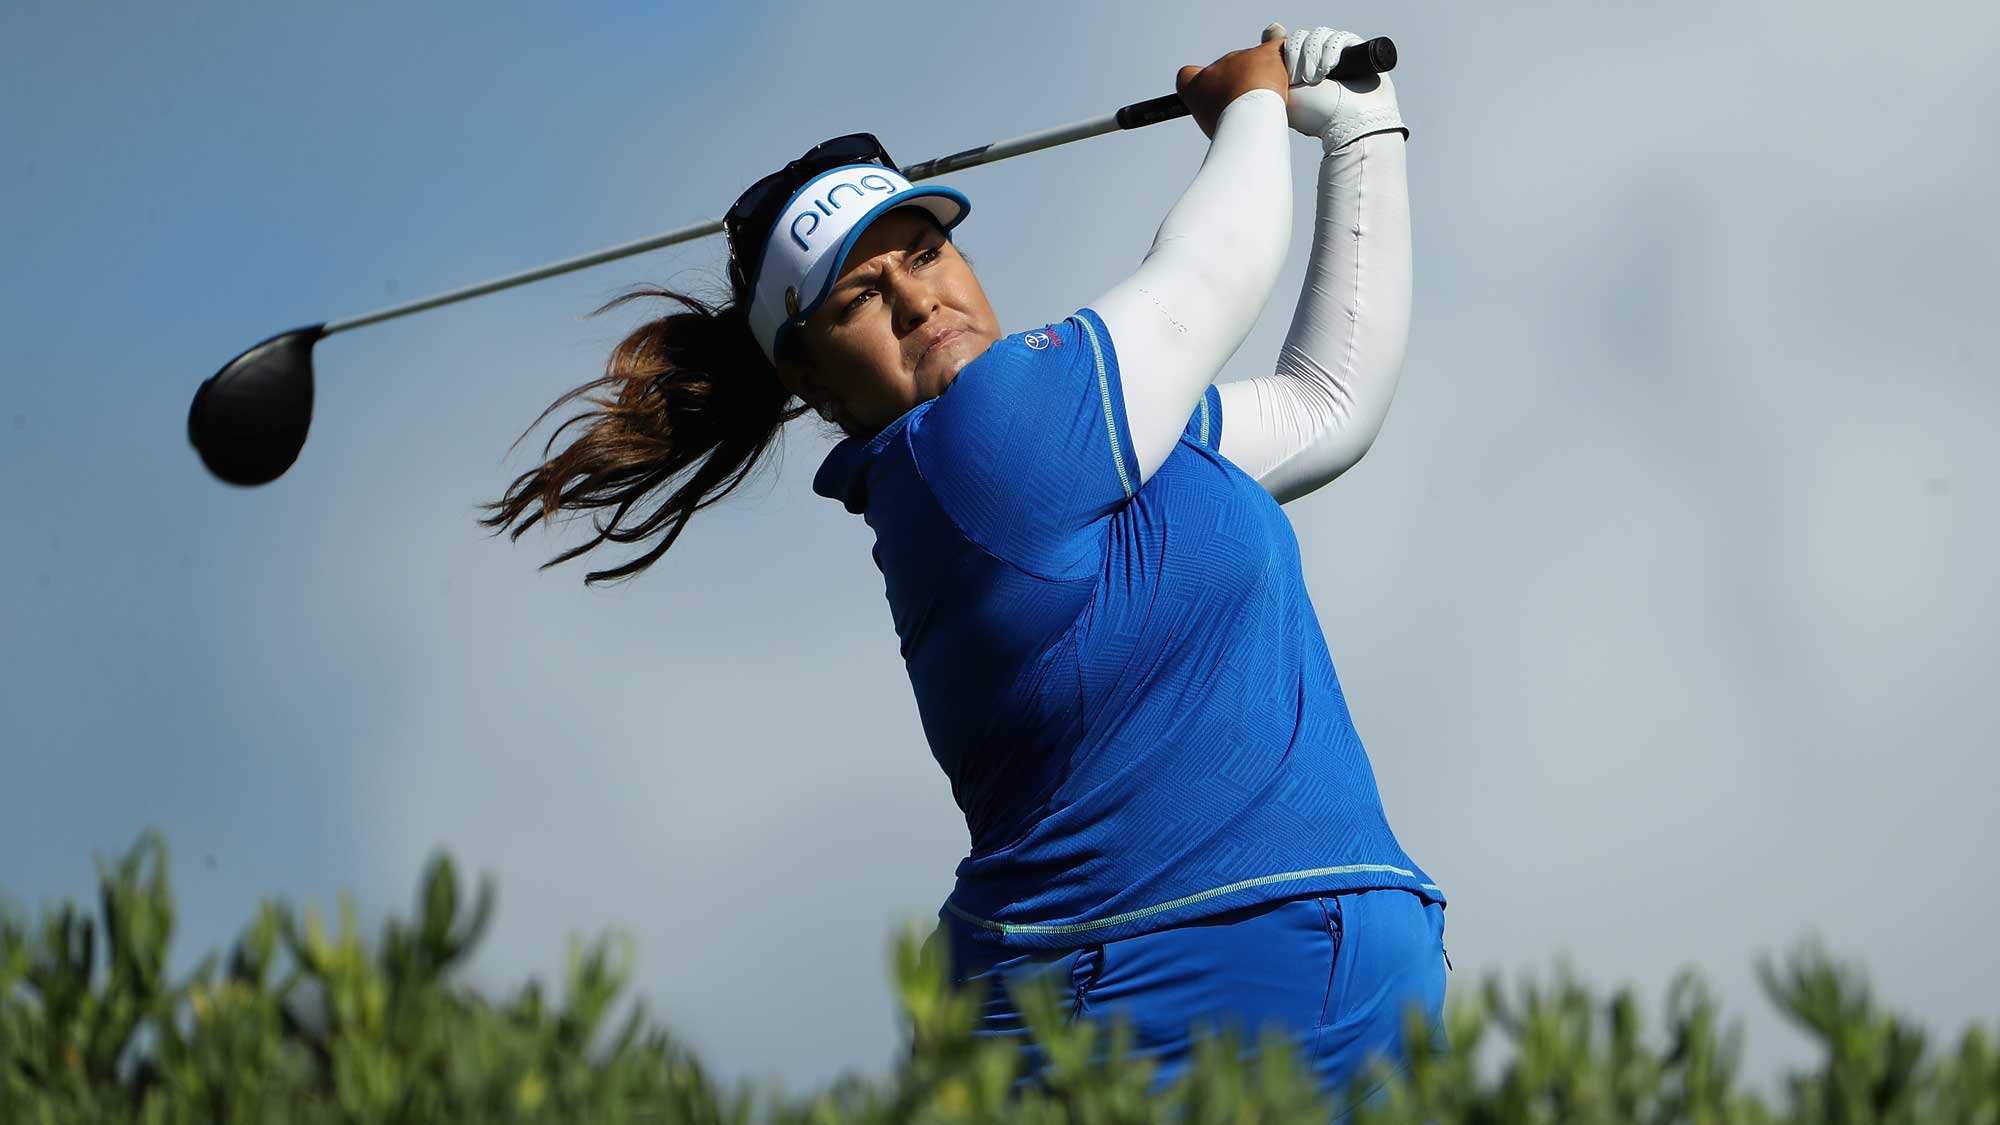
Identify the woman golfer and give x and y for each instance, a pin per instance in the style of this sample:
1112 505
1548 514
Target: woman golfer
1099 601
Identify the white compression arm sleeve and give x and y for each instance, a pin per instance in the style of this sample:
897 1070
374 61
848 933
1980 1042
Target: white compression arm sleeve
1313 419
1218 252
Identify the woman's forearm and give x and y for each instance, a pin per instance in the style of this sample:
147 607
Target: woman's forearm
1316 415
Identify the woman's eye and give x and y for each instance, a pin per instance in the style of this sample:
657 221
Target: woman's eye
930 255
855 303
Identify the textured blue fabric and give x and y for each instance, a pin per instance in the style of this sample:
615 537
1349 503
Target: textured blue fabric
1126 685
1333 975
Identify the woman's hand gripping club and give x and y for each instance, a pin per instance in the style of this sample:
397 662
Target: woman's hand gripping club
1208 90
1337 111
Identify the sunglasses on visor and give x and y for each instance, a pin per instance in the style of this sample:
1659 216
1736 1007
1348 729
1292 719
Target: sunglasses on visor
750 218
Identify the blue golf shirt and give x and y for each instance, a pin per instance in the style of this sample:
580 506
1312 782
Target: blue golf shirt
1126 684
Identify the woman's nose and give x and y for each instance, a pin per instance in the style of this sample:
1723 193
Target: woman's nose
914 304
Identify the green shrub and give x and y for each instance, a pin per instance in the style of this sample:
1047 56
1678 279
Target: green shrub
299 1025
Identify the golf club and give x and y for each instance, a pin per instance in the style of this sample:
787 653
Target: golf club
248 421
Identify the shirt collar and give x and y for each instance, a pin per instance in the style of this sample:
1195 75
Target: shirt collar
843 476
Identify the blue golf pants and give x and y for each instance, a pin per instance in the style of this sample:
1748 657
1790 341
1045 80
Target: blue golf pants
1334 973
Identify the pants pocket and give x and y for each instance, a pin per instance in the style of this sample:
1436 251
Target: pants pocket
1085 967
1391 958
1330 914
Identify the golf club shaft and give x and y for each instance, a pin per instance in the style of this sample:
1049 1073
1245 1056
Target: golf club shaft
1360 59
1371 57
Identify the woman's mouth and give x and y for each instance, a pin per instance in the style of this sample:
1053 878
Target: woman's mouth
942 340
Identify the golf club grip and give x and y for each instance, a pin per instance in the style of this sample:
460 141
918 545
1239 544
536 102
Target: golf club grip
1358 61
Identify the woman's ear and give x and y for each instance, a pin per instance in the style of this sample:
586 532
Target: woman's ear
799 377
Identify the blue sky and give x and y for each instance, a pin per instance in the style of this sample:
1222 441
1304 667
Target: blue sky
1659 601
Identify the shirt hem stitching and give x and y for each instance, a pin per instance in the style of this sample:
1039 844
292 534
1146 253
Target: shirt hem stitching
1185 900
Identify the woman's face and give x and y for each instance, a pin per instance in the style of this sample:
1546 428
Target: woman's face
903 317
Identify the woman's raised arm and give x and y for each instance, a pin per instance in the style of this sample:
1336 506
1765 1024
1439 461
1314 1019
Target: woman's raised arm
1315 416
1179 316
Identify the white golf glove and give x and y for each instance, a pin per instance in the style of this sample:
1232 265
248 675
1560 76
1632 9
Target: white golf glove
1333 112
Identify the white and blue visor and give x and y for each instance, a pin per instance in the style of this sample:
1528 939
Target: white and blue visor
802 256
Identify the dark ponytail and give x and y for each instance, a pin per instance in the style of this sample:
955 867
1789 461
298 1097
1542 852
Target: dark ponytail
688 391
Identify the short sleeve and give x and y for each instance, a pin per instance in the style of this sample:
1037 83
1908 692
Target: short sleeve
1028 450
1204 426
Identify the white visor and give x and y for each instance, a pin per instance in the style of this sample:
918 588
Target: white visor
811 238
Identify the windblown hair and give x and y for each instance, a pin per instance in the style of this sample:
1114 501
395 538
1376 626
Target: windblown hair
689 403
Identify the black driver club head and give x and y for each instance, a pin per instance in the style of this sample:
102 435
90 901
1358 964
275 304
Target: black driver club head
248 421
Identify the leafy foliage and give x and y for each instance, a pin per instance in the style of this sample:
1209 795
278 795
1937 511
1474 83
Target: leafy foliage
300 1025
